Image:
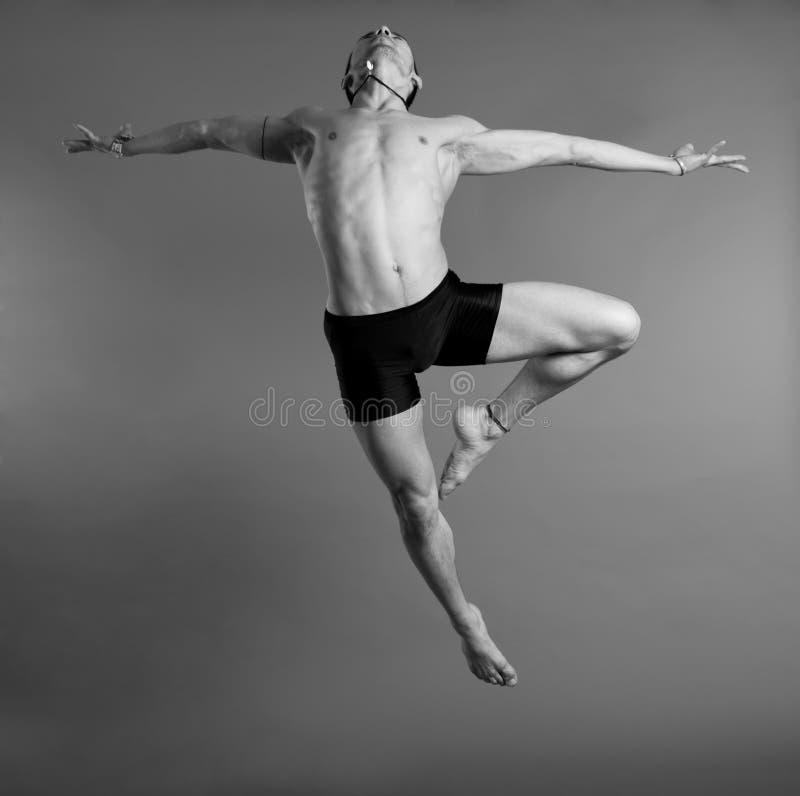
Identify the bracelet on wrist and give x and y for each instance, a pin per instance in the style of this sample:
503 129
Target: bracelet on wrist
116 145
680 163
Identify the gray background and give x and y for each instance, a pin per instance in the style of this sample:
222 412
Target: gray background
196 604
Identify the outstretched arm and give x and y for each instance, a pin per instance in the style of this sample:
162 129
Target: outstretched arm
263 137
484 151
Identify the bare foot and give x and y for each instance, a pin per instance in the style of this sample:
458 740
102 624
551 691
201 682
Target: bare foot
476 435
485 660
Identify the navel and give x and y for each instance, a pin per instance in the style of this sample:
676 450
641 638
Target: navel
331 136
423 140
396 267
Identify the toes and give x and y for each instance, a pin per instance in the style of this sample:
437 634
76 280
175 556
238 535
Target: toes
445 489
508 674
505 677
487 675
446 486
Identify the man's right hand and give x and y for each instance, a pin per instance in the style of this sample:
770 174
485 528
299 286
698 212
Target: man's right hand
92 142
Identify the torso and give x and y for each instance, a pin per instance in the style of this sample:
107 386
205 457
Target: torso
375 186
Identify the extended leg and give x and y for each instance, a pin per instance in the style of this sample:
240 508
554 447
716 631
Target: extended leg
565 333
396 449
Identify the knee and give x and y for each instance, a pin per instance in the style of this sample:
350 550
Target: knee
417 505
626 325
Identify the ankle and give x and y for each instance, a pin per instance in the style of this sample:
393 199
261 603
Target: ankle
467 623
494 429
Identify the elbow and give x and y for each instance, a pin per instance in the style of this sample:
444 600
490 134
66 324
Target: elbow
203 134
579 152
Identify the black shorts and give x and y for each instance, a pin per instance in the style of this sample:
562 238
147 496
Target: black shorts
377 355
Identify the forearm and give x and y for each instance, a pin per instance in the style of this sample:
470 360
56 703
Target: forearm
615 157
170 140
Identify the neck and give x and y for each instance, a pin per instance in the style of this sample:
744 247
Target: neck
374 94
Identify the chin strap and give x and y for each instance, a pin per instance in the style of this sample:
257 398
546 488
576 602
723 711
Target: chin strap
375 77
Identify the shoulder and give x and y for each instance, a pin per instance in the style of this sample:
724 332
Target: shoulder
452 125
452 130
297 127
461 126
307 114
281 136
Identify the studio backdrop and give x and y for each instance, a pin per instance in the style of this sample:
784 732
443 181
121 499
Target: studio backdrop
201 597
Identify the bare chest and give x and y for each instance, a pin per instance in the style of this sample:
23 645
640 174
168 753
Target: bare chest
348 151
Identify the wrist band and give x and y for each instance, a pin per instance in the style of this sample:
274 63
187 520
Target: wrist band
263 130
491 415
680 163
116 145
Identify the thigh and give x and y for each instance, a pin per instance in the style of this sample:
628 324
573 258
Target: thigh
538 318
396 449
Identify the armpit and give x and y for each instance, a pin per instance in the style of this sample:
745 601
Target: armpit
282 137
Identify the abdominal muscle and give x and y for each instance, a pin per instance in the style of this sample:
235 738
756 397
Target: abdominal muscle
376 211
382 271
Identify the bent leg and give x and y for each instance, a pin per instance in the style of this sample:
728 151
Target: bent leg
541 318
395 446
565 332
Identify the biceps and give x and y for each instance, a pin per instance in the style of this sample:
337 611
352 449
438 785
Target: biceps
497 151
260 137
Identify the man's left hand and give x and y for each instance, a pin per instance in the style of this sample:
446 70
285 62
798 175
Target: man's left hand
697 160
